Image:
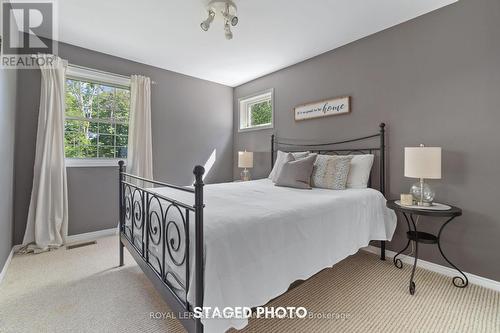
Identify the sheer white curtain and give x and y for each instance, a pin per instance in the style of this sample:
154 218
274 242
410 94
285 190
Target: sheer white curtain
47 224
140 152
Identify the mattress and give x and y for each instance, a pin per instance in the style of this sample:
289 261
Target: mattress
259 238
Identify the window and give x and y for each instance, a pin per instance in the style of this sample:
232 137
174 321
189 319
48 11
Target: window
256 111
97 117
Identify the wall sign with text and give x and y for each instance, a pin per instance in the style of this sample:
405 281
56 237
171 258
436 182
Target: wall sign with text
330 107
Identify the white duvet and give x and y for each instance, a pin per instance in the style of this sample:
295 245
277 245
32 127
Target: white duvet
259 238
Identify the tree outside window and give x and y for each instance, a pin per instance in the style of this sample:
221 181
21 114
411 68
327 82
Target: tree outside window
96 124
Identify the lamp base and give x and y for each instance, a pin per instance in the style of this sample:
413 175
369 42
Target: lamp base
422 193
245 175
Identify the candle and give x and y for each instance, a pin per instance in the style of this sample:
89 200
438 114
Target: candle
406 199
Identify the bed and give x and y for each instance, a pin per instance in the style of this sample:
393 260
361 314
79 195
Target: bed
243 243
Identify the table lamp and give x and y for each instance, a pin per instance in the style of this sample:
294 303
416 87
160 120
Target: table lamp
423 163
245 160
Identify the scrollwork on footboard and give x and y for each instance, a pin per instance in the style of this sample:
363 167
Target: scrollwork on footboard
158 229
134 215
155 229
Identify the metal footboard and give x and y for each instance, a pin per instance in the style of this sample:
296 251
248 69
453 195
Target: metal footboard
157 230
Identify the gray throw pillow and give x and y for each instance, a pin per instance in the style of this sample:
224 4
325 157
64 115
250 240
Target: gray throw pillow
296 173
331 171
280 160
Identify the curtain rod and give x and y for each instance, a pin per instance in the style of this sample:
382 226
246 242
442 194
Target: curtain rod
103 72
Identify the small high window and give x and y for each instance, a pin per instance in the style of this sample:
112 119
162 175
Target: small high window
256 111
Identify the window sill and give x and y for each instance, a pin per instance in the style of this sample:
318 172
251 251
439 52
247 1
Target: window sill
255 128
92 163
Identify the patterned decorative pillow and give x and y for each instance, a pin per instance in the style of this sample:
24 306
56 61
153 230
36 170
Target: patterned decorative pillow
331 171
296 173
280 160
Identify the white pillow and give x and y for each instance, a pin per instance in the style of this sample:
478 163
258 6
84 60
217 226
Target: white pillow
359 173
280 160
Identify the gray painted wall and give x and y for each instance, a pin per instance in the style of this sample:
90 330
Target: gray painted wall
433 80
191 118
8 78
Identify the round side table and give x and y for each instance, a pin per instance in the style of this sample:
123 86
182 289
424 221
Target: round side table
420 237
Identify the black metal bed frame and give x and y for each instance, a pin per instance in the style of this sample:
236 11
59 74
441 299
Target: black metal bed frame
289 145
160 244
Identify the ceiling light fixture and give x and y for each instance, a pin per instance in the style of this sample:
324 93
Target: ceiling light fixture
205 25
228 9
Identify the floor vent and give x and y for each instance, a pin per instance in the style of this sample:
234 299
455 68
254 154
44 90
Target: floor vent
74 246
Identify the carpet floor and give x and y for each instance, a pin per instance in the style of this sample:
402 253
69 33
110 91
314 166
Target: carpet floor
82 290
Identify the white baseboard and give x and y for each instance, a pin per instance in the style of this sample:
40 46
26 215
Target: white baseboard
447 271
90 236
7 262
6 265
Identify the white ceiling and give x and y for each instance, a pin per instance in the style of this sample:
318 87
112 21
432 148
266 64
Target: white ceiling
271 34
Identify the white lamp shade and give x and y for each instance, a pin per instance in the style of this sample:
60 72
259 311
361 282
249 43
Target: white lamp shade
245 159
423 162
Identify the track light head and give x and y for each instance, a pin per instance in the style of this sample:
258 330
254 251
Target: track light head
227 30
231 18
205 25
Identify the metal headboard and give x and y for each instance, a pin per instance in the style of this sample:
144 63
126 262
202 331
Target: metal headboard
289 145
327 148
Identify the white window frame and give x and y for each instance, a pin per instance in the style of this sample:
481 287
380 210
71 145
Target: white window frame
244 105
91 75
